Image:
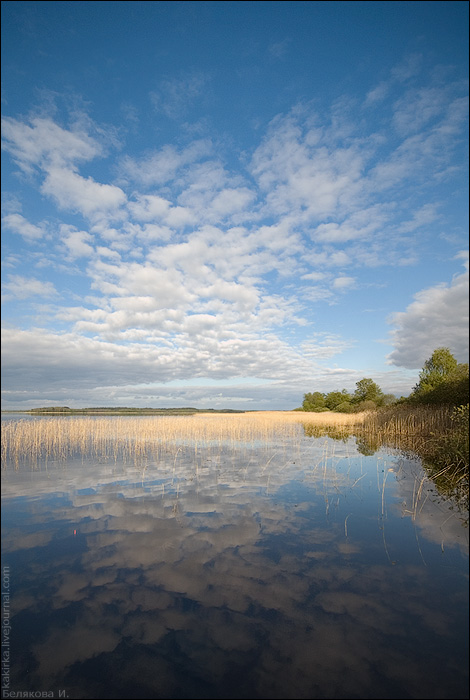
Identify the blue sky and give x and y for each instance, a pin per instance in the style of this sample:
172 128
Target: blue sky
229 204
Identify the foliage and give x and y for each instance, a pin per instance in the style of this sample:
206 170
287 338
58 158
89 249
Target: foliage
366 405
336 398
344 407
314 402
452 448
367 397
389 399
368 390
436 369
442 380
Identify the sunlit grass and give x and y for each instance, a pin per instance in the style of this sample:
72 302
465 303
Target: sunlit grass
129 438
134 438
142 440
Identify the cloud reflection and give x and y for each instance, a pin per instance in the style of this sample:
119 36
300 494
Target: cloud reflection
211 580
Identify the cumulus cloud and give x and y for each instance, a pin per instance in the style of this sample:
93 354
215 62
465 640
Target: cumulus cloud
301 167
161 166
20 225
19 287
209 264
152 208
45 143
85 195
344 282
325 346
78 243
437 317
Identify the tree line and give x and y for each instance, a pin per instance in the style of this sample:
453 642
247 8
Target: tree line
442 380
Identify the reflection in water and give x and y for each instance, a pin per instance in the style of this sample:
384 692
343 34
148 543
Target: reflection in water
450 477
306 570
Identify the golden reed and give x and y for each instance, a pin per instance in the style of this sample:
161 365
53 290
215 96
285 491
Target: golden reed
131 438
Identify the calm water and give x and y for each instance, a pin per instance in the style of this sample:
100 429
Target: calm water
302 570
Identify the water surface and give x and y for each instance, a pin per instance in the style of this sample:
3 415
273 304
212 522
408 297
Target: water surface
298 569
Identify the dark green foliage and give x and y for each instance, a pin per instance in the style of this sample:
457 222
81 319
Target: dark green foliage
368 390
366 405
314 402
336 398
436 369
452 448
442 381
345 407
367 397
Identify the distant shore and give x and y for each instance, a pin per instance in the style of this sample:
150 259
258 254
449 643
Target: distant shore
118 411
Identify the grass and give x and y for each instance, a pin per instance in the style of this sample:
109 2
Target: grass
425 430
135 438
438 435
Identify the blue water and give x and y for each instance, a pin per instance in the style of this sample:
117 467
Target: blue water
310 572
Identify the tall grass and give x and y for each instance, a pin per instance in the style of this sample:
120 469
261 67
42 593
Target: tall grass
422 429
135 439
439 436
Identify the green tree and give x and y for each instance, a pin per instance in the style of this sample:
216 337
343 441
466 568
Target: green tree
345 407
442 380
335 398
436 370
314 402
367 390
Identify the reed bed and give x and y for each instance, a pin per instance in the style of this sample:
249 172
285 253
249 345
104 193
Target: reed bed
409 421
437 434
141 440
133 439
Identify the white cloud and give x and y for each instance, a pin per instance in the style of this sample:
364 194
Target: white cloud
167 287
300 168
78 243
85 195
438 317
344 282
18 224
378 93
363 224
230 201
423 216
323 346
80 362
159 167
19 287
201 268
46 144
152 208
416 108
409 67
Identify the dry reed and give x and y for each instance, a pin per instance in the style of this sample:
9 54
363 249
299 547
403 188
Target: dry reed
134 439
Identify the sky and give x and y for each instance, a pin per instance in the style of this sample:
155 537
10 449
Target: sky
230 204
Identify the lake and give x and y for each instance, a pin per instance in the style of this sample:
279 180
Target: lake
285 566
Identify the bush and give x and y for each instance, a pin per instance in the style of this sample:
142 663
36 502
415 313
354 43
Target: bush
365 406
345 407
